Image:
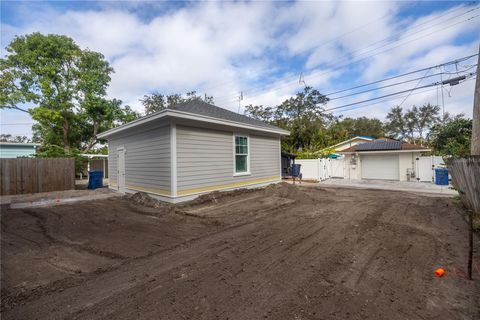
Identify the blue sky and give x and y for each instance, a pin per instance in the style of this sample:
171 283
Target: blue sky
260 48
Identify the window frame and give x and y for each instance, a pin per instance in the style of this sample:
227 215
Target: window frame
246 173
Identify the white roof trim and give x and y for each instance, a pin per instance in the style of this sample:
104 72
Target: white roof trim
190 116
385 151
26 144
357 137
93 155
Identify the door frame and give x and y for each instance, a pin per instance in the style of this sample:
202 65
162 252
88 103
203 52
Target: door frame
121 165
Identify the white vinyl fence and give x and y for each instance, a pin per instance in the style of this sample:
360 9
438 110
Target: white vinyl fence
322 169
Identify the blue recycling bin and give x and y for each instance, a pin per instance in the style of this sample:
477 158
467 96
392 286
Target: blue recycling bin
296 170
95 179
441 176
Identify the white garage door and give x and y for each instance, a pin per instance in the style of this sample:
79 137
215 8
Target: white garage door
383 167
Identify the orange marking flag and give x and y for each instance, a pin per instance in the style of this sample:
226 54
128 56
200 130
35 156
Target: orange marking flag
439 272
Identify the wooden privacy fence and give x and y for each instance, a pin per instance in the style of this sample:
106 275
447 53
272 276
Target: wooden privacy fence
32 175
466 178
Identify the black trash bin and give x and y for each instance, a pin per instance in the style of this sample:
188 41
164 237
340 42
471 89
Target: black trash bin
296 170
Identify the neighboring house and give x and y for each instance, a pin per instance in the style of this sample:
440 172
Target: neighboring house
192 148
350 143
17 149
383 159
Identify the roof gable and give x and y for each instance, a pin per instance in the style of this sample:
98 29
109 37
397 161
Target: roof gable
349 141
202 108
202 112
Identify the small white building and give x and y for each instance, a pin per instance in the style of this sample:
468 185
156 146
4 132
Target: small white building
382 159
192 148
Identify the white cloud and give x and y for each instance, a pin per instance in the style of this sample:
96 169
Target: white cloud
259 48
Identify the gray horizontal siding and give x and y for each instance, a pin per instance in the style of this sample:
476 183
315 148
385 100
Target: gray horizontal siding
205 158
147 158
112 162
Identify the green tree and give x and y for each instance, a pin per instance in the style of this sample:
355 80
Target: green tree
413 124
61 86
347 128
396 123
10 138
303 116
452 137
260 112
156 101
40 70
410 123
427 116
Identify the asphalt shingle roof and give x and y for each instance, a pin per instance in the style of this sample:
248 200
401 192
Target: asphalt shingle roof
205 109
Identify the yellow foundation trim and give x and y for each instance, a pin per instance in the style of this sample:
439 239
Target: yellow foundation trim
112 184
226 186
161 192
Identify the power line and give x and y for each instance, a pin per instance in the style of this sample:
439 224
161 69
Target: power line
345 65
392 94
451 62
418 83
390 85
419 25
351 31
381 101
255 92
390 99
406 74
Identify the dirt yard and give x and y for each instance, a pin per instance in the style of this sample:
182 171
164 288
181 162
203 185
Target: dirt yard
283 252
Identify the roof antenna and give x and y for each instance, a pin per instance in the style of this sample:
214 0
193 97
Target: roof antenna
240 98
302 80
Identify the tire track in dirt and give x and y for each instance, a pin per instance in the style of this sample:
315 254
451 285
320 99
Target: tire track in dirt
262 214
362 255
41 223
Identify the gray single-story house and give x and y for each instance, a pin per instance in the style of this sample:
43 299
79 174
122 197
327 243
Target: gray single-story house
192 148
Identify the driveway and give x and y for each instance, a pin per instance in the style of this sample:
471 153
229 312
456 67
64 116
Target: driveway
419 187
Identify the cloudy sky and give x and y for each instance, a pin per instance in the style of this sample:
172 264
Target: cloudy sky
262 49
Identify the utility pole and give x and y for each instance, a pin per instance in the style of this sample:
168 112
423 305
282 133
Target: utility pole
475 146
240 98
474 151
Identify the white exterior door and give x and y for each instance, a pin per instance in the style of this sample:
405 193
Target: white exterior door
337 168
121 169
425 169
380 166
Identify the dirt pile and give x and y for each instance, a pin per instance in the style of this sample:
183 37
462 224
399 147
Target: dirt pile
281 190
143 199
288 191
217 197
